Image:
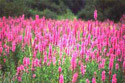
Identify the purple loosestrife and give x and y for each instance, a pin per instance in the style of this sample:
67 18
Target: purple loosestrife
36 63
95 14
34 75
61 79
103 76
114 79
19 78
111 62
54 60
45 59
19 69
50 52
26 61
116 66
93 80
124 65
74 79
87 81
60 69
83 70
73 62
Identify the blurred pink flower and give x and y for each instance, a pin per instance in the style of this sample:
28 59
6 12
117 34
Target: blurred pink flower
87 81
54 60
116 66
4 60
45 59
13 46
26 61
95 14
1 49
74 79
61 80
36 63
111 62
114 79
73 63
83 70
103 76
60 69
19 78
19 69
124 64
34 75
93 80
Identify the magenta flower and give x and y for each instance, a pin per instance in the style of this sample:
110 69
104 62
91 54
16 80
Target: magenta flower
116 66
83 70
26 61
34 75
61 80
87 81
45 59
19 69
19 78
36 63
95 14
50 52
73 63
103 63
1 49
13 46
74 79
124 64
34 54
103 76
114 79
54 60
60 69
4 60
111 63
93 80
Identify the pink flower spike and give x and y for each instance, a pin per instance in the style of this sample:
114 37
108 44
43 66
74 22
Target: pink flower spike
116 66
45 59
13 46
34 75
61 80
114 79
73 63
95 14
87 81
4 60
93 80
19 78
74 79
83 70
26 61
36 63
60 69
103 76
124 64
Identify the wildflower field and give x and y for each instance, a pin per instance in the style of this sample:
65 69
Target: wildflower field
61 51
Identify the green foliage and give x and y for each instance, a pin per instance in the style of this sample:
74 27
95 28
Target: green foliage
12 8
49 14
67 15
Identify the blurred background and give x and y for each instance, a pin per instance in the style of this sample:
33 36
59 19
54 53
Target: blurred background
64 9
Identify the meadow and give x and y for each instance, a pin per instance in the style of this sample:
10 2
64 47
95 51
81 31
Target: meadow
43 50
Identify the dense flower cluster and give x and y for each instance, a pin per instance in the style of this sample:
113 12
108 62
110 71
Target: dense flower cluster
72 51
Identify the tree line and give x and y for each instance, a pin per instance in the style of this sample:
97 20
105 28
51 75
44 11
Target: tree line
107 9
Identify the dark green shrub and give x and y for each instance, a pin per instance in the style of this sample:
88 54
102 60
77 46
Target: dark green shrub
49 14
